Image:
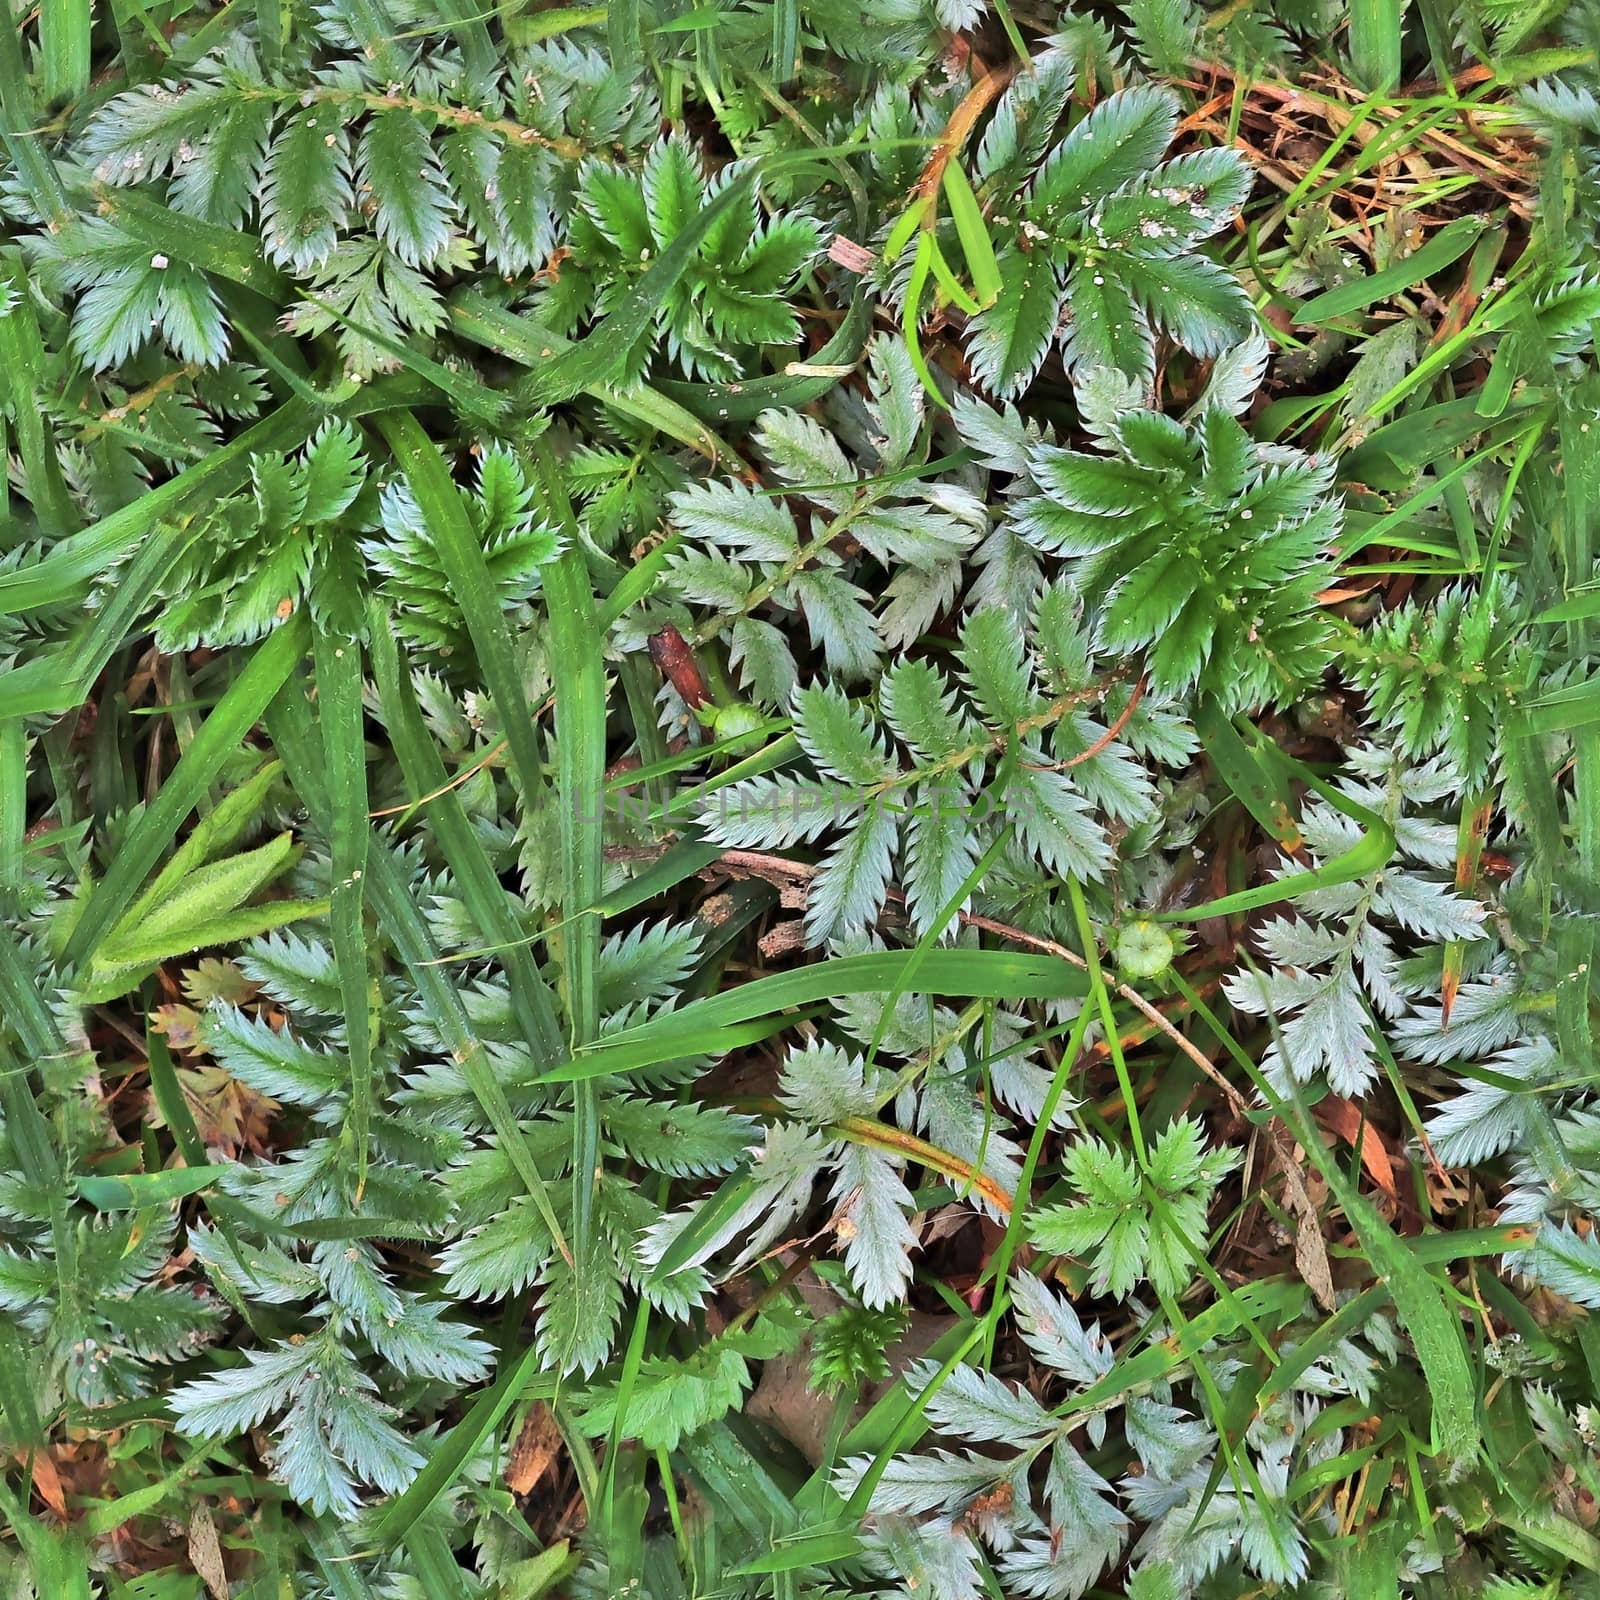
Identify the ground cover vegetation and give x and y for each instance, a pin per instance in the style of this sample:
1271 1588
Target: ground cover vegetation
799 799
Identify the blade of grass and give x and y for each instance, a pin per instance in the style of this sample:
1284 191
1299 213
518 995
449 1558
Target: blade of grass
701 1027
288 721
1375 28
518 1379
578 670
1443 250
1366 856
22 373
1434 1329
973 232
520 338
219 737
143 1189
442 508
469 863
64 27
64 574
19 125
13 807
338 667
60 679
227 252
1262 787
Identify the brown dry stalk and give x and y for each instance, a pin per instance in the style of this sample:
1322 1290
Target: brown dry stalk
879 1136
958 129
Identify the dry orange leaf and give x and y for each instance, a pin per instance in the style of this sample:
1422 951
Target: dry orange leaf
1344 1118
536 1447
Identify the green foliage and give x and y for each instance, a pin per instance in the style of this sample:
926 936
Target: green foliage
848 1348
1199 546
103 1337
732 293
1100 246
1440 674
1127 1231
1336 976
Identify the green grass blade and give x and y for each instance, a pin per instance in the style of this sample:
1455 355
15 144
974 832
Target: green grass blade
22 376
973 232
442 509
220 736
520 338
19 132
700 1027
59 679
64 574
143 1189
1375 32
226 252
1434 1328
1367 855
64 27
289 722
517 1380
578 667
469 862
1444 249
338 668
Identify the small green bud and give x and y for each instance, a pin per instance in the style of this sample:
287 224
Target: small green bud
1145 949
741 723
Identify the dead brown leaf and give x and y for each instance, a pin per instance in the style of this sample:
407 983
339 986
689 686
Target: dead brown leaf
46 1480
1310 1248
1344 1118
205 1552
537 1446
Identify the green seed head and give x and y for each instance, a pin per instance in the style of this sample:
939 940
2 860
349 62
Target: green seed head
1144 949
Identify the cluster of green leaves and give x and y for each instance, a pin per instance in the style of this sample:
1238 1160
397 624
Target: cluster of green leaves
1099 244
1198 546
370 186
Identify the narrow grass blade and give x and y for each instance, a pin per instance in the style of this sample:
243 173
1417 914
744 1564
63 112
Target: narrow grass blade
973 232
13 806
1375 30
450 1456
442 509
1435 1330
19 132
64 27
17 1384
338 667
220 736
288 720
529 343
469 862
143 1189
66 571
1366 856
701 1027
227 252
578 667
22 362
59 679
1262 787
785 40
1444 249
168 1093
